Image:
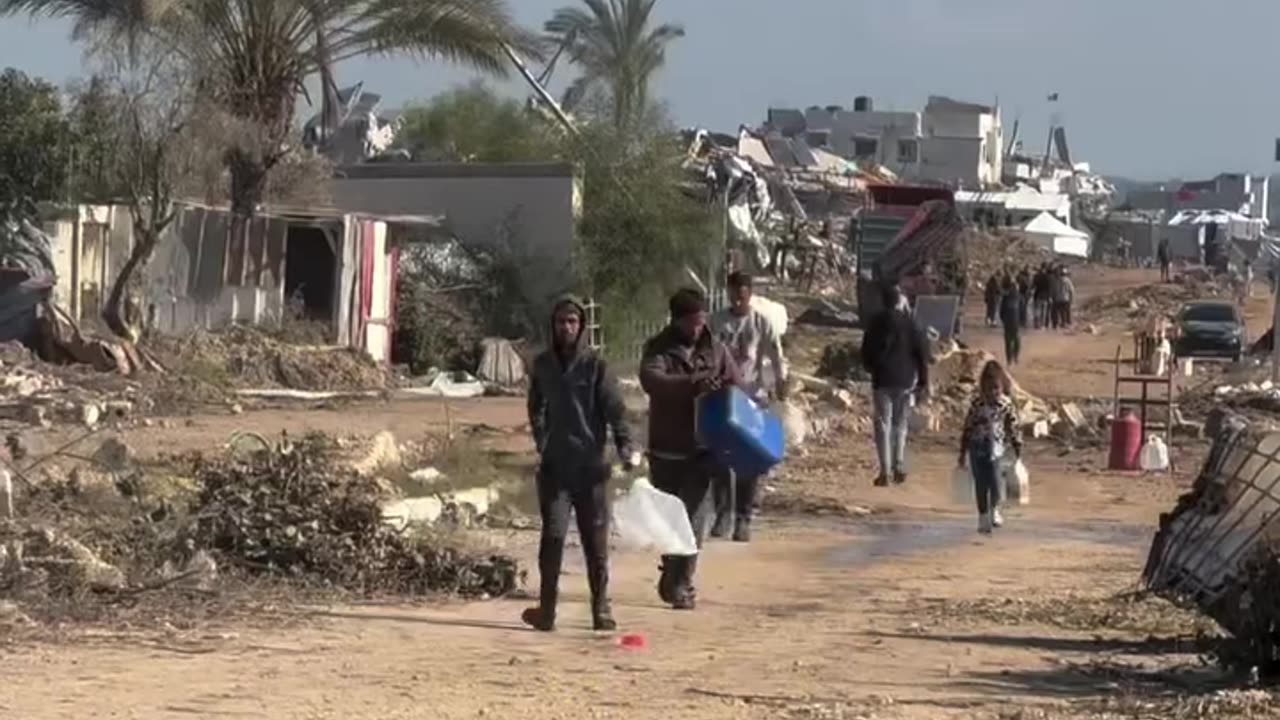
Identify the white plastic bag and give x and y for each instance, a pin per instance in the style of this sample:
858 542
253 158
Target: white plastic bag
648 519
1154 456
1017 482
962 485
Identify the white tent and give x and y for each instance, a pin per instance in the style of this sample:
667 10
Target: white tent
1056 236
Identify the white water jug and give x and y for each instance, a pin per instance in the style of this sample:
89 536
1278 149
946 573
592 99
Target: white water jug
1154 456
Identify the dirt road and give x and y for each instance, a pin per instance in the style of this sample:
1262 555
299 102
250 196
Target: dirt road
905 614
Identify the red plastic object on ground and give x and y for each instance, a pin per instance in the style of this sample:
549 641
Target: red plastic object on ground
1126 442
631 641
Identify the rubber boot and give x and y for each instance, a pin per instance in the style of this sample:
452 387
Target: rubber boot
541 618
602 616
667 579
685 596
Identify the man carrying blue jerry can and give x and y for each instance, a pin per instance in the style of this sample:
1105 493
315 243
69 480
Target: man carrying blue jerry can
680 364
752 341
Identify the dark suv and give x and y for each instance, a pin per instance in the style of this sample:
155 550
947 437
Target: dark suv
1210 328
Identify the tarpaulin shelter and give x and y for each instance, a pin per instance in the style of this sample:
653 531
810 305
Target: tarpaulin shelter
1056 236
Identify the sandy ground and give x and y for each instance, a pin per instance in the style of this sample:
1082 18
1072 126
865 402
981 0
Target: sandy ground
817 618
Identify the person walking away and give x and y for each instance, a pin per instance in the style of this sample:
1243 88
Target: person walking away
1040 293
896 354
990 431
679 364
1068 297
1248 282
1024 297
1010 307
992 294
1055 293
574 402
751 341
1164 255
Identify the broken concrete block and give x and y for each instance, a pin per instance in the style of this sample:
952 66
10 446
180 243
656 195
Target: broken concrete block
1073 415
90 414
841 398
400 514
38 415
1037 430
385 452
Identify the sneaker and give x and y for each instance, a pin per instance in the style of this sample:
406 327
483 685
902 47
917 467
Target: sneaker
984 523
882 481
742 531
541 621
997 520
899 478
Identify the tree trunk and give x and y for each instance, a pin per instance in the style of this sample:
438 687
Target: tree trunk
112 312
248 182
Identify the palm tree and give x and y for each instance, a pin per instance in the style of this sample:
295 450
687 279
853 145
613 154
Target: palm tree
614 45
253 56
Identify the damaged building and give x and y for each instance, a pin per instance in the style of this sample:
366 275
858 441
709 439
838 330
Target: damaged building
954 143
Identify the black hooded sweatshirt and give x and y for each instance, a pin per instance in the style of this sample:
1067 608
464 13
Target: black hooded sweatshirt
573 403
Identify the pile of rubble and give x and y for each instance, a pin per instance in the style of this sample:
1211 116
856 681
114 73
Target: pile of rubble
101 526
1218 549
40 394
248 357
1138 305
989 253
291 508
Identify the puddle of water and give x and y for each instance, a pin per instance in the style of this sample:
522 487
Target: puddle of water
882 540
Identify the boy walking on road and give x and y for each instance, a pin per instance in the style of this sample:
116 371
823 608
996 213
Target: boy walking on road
574 401
896 353
750 340
679 364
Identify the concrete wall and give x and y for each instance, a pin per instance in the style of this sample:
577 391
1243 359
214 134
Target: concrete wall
538 200
952 161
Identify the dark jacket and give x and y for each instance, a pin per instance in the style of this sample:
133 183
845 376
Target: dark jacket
669 372
573 402
1040 285
895 352
1011 309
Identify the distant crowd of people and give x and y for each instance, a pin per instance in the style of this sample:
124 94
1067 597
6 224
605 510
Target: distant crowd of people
1017 300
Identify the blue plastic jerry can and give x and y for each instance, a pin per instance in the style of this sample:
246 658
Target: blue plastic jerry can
748 438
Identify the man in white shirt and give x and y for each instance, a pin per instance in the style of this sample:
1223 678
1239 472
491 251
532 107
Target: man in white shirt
756 349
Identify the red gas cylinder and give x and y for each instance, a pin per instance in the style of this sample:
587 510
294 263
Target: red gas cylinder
1126 442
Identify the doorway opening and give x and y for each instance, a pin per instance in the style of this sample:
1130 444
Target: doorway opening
310 276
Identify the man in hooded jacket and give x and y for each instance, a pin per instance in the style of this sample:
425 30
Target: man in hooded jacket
679 364
574 401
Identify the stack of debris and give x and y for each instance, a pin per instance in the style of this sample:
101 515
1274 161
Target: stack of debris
248 357
989 253
40 394
1219 547
1139 306
292 508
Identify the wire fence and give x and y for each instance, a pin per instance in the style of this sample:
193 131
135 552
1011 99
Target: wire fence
624 343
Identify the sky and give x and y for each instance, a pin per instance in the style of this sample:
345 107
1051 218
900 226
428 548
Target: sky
1148 89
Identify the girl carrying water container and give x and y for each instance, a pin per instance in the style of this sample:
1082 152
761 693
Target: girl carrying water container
990 431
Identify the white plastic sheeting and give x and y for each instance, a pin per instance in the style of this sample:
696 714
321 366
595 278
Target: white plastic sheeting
1056 236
